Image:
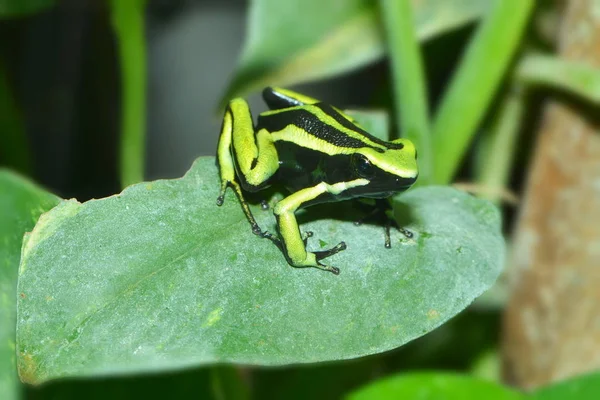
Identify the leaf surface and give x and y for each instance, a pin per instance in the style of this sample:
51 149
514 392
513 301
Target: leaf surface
160 277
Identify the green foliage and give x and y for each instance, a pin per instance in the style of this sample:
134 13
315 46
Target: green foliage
584 387
434 386
17 8
448 386
342 35
477 80
21 204
160 277
581 80
128 23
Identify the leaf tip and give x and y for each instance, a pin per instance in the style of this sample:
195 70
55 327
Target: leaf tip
27 368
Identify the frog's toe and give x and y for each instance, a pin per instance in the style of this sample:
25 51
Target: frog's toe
406 232
264 205
333 270
334 250
257 231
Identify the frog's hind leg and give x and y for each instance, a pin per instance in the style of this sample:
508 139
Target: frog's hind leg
293 243
254 155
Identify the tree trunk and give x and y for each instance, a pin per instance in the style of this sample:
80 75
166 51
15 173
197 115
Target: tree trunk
552 321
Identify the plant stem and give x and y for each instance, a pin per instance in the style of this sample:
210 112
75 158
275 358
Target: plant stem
128 23
412 112
498 145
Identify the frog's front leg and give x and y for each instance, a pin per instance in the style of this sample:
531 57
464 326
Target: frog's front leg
381 209
293 245
254 154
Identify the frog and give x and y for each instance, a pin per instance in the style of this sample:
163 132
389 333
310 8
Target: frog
314 150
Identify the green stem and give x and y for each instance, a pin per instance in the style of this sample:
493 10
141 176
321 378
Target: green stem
128 23
471 91
412 112
497 149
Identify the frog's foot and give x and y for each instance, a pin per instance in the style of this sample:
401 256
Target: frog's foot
266 235
408 234
221 198
326 253
259 232
334 250
405 232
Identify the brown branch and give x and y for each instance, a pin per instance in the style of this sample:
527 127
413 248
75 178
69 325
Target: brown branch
552 321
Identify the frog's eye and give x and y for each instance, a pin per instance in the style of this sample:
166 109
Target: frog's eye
363 166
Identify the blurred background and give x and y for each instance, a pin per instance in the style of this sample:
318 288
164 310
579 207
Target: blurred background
62 67
61 71
514 92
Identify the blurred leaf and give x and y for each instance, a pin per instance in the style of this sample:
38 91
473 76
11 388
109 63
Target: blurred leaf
160 277
376 122
488 366
434 386
410 91
580 79
128 23
21 203
586 387
478 77
14 149
301 40
17 8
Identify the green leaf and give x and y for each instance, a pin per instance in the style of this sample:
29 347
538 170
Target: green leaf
21 203
578 78
434 386
17 8
471 91
296 41
585 387
160 277
128 23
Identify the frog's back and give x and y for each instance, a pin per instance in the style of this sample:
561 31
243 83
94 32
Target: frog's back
318 127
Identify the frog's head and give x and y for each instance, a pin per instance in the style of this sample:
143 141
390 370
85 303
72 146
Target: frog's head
389 170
